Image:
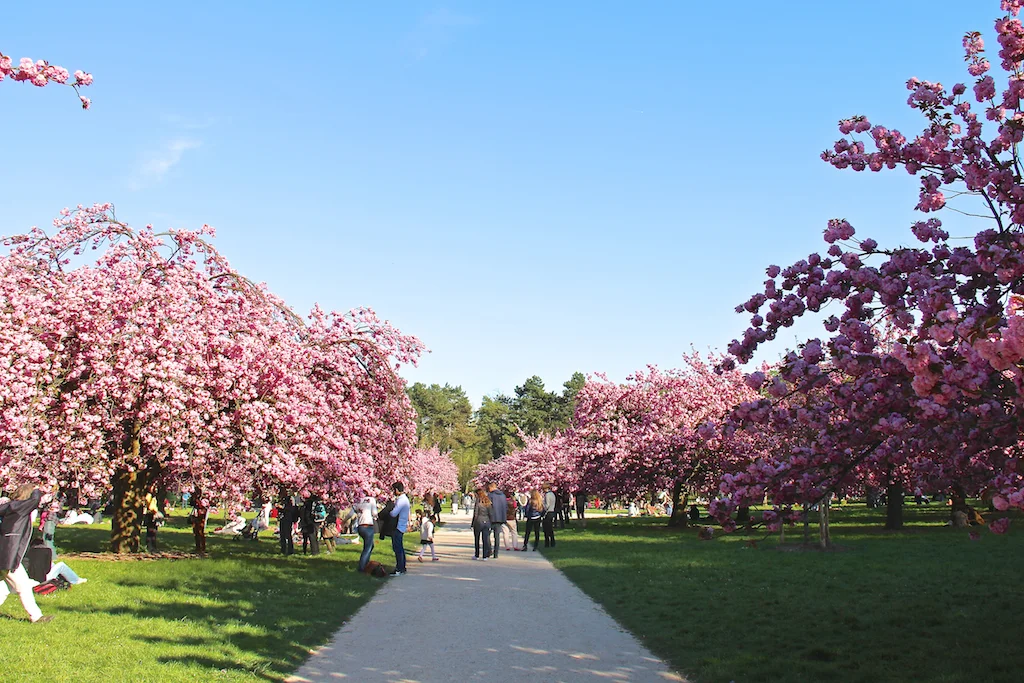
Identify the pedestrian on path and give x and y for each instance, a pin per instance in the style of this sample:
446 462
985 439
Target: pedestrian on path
437 509
534 514
426 536
550 510
510 532
16 530
366 511
498 513
401 515
481 525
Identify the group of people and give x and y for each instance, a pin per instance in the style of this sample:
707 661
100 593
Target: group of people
494 518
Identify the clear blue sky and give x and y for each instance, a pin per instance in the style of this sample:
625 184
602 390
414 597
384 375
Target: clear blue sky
529 187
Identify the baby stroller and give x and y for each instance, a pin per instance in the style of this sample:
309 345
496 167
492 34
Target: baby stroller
251 531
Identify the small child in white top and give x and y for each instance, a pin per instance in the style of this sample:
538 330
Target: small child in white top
426 536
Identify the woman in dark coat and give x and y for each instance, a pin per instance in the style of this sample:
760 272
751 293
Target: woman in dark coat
15 534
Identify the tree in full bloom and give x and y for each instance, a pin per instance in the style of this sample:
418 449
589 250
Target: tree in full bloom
543 459
159 363
939 402
645 435
41 73
431 471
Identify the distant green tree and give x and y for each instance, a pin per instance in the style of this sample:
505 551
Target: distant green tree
495 428
444 418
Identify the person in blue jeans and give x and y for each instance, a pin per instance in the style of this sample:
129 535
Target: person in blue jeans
401 513
366 513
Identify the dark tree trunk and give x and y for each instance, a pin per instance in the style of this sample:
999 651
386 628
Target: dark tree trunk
129 505
679 500
894 505
130 487
742 515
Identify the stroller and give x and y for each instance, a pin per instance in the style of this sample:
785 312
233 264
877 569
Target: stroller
251 531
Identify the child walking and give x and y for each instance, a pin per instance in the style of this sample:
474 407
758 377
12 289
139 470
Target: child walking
426 536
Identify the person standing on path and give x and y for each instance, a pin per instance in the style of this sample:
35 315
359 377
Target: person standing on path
401 514
16 530
499 511
550 510
481 525
437 509
510 532
426 537
366 514
534 514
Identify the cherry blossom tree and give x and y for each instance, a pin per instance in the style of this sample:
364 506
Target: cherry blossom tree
159 363
645 435
432 471
940 402
543 459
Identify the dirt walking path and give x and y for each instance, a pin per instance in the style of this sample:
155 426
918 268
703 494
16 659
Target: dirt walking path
516 618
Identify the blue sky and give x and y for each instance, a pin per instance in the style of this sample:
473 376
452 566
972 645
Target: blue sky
530 188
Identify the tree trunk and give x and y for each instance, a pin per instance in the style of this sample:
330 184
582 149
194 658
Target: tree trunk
129 506
894 505
825 533
130 487
807 526
679 500
742 515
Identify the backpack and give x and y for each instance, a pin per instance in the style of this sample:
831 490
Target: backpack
40 561
319 512
376 569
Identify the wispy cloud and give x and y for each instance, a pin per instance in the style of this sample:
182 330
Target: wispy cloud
155 165
436 29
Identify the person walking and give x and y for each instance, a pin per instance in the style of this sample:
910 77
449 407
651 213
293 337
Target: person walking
550 509
426 536
533 515
437 509
366 515
481 524
510 532
16 530
498 513
401 514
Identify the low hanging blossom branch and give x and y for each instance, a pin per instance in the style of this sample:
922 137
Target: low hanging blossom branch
40 73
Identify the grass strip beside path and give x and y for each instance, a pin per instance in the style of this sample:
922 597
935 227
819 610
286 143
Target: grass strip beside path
243 613
923 604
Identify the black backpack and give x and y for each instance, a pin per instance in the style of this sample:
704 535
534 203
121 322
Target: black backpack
40 561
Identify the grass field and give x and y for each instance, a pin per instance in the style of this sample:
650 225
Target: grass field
243 613
923 604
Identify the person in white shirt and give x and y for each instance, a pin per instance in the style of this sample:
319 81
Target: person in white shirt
426 536
401 513
366 514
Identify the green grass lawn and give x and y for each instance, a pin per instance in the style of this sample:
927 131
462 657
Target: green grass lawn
923 604
243 613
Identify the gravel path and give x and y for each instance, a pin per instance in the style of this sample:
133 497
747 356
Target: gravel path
516 618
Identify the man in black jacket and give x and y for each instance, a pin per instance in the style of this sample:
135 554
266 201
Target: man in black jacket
15 534
286 519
